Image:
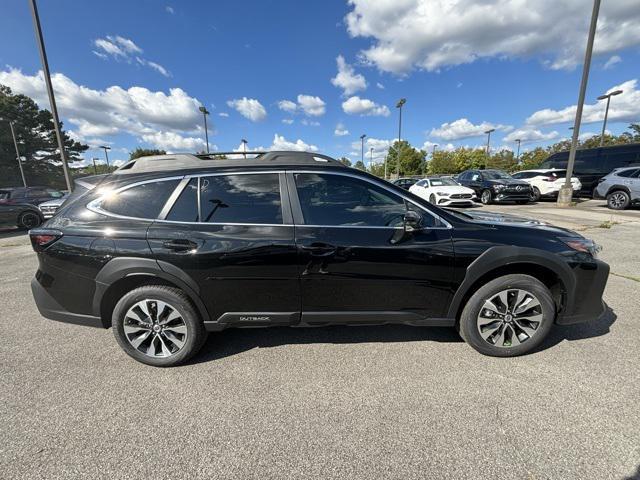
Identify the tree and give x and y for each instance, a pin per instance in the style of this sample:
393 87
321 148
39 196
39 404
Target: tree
37 143
145 152
412 161
345 161
359 165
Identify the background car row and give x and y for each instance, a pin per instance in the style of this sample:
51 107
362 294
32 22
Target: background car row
28 207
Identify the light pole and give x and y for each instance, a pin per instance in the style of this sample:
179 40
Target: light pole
15 144
95 168
433 150
566 191
606 112
52 99
399 105
518 154
362 147
371 157
244 147
488 133
106 155
205 112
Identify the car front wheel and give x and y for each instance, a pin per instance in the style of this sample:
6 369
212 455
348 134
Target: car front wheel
486 197
158 325
509 316
618 200
29 220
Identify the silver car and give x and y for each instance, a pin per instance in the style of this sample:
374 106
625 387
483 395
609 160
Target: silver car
50 208
621 188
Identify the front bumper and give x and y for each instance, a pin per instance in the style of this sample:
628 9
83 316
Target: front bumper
586 303
51 309
512 197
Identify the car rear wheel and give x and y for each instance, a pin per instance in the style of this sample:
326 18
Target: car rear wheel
486 197
509 316
535 194
29 220
618 200
158 325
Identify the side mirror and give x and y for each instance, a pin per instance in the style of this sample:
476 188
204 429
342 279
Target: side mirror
412 220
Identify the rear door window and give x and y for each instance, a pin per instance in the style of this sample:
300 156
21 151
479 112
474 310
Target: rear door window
244 198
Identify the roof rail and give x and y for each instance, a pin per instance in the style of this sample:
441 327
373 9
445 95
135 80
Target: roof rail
185 161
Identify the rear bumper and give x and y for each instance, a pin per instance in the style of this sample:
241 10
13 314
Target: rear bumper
587 303
51 309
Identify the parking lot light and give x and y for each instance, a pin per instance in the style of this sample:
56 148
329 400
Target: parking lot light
488 134
106 155
607 96
205 112
399 106
362 137
518 154
244 147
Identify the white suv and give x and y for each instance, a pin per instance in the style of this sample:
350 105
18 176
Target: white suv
546 182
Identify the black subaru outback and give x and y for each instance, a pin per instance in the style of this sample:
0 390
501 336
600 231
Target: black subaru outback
169 248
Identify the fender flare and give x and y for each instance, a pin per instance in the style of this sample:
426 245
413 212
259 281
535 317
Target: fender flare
123 267
618 187
504 255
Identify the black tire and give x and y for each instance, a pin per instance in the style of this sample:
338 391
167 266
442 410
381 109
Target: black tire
486 197
432 199
468 324
196 335
522 202
618 200
535 194
29 220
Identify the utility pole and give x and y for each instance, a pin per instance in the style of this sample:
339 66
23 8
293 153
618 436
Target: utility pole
205 112
15 144
399 106
566 191
106 155
244 147
52 100
606 111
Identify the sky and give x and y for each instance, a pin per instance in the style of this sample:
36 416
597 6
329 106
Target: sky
316 75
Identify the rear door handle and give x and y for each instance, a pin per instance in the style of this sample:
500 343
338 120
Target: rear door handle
320 249
180 245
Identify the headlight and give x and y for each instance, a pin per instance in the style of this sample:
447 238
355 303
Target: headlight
442 194
497 188
583 245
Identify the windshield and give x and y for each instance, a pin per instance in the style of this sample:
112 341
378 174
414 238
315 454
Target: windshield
443 182
495 174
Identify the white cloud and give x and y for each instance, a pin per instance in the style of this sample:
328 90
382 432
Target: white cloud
346 78
169 9
287 121
171 141
136 111
310 105
380 86
463 128
529 134
287 106
340 130
281 143
614 60
121 48
432 34
428 147
223 114
310 123
624 108
364 107
249 108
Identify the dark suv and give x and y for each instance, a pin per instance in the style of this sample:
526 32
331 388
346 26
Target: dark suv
496 186
169 248
30 195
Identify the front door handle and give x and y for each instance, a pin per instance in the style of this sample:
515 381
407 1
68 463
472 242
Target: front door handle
180 245
320 249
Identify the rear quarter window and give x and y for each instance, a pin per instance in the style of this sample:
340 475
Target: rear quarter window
141 201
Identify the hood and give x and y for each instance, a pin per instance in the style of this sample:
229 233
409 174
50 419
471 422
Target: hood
452 189
507 219
56 202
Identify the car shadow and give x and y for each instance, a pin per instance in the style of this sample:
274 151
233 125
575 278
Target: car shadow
580 331
13 232
235 341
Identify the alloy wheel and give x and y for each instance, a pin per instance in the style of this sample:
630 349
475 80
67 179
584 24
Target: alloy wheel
510 318
30 220
486 197
617 200
155 328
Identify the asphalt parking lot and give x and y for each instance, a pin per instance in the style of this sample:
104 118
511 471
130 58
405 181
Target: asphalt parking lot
339 402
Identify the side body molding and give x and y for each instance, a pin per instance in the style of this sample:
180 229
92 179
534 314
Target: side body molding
504 255
122 267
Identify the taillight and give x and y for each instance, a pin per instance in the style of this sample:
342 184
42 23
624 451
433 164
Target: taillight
41 239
